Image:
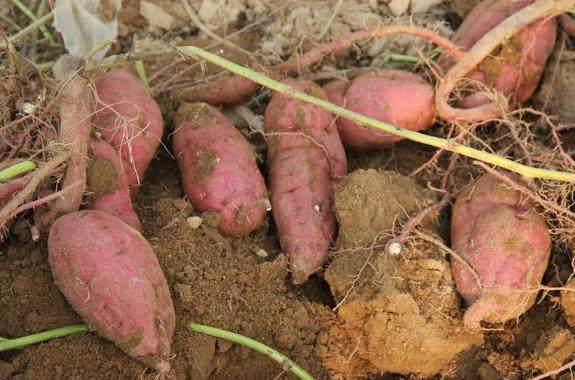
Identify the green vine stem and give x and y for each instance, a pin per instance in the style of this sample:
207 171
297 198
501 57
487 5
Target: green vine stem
16 169
360 119
33 17
11 344
254 345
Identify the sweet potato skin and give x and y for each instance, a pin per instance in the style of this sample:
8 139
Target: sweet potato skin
108 184
500 234
130 120
306 159
111 277
218 169
393 96
227 91
516 68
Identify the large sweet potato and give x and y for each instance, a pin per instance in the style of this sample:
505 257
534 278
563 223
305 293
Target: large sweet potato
515 68
130 120
393 96
502 237
108 186
218 168
111 277
306 158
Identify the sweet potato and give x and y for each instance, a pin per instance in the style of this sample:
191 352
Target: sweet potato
306 158
501 236
130 120
516 67
108 186
392 96
218 169
111 277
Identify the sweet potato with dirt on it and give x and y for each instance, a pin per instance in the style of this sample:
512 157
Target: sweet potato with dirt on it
515 68
107 184
130 120
499 233
396 97
111 277
219 172
306 159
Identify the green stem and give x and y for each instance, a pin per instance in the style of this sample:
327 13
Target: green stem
29 29
254 345
17 169
33 17
24 341
362 120
404 58
141 70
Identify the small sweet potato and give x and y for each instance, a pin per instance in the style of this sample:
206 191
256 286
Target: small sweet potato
130 120
515 68
393 96
218 169
306 159
111 277
108 185
501 236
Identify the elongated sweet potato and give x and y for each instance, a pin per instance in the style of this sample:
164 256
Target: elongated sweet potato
393 96
130 120
516 67
108 184
306 158
502 237
218 168
111 277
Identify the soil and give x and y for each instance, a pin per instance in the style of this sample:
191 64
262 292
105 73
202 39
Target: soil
368 315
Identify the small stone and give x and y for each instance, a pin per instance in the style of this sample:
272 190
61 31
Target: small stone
28 108
261 253
394 249
194 221
316 208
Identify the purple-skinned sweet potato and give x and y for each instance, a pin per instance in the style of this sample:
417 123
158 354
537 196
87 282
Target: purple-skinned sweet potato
108 185
130 120
110 275
515 68
499 233
219 172
393 96
306 159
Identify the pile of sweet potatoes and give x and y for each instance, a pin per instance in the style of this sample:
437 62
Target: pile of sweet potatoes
110 274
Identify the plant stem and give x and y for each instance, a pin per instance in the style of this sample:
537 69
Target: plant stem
253 344
404 58
17 169
33 17
29 29
141 70
362 120
24 341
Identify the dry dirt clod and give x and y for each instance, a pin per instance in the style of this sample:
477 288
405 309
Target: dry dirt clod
551 350
568 302
401 315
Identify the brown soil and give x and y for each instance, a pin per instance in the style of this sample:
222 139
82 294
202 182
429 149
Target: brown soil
398 314
402 314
